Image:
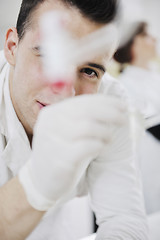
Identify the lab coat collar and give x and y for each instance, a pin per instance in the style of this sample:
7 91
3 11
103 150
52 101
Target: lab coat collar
17 149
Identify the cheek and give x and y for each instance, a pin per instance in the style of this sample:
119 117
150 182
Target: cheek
149 43
86 87
29 73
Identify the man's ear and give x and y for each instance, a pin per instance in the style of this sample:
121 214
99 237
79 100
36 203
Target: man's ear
11 44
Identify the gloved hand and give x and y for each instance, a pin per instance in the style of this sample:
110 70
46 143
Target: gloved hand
67 136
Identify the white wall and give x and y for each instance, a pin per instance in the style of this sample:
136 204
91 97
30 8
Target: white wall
8 15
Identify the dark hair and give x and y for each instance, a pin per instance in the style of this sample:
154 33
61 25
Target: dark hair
124 53
100 11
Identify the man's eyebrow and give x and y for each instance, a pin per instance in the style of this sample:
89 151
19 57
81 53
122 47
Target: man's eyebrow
99 66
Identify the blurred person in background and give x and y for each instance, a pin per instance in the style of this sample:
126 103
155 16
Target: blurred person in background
136 74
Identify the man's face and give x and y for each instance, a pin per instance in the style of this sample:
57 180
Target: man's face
30 91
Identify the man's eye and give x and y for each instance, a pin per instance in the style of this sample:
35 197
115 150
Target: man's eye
90 72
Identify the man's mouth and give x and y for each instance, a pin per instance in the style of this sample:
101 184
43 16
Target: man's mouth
42 105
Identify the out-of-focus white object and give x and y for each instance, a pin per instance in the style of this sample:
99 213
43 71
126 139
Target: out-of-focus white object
126 31
56 46
62 53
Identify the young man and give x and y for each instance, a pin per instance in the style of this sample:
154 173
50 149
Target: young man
79 145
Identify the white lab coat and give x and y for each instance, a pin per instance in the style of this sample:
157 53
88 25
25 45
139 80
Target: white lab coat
112 180
143 87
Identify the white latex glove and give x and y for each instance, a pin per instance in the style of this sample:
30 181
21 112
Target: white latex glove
67 136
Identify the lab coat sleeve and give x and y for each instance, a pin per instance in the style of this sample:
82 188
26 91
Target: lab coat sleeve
115 190
114 183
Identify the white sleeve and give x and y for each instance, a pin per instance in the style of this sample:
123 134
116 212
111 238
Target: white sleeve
115 190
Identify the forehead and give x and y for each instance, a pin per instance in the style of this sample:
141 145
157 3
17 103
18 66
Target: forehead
78 25
76 22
